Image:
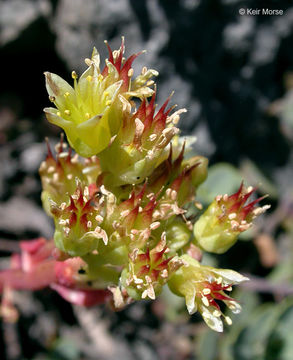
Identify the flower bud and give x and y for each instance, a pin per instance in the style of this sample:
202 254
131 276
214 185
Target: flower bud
178 235
203 287
77 230
200 171
59 173
227 216
140 145
148 271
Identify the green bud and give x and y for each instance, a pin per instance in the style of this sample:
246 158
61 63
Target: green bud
227 216
178 235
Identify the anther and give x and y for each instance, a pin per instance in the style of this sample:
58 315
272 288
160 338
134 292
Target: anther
232 216
74 75
99 219
130 72
206 291
218 198
219 280
228 320
155 225
205 301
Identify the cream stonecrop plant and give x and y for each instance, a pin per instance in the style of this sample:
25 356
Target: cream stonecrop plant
120 202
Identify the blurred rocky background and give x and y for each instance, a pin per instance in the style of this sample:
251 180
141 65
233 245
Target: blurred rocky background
234 74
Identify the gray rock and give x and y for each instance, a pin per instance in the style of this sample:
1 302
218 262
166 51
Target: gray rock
19 215
32 156
16 15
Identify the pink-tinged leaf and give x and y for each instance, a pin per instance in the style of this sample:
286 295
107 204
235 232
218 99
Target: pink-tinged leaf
34 252
42 275
83 297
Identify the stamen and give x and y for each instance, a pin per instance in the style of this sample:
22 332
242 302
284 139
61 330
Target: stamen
205 301
206 291
130 72
74 75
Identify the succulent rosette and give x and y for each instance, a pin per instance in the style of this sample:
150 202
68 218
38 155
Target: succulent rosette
119 204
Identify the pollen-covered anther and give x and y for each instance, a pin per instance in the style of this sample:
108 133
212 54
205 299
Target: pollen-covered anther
125 213
74 159
260 210
51 169
164 274
63 206
217 313
234 225
66 231
115 225
99 219
245 227
153 137
168 192
74 75
137 280
55 177
89 224
102 234
86 191
155 225
228 320
206 291
63 221
157 215
130 72
173 195
225 197
175 117
67 112
205 301
232 216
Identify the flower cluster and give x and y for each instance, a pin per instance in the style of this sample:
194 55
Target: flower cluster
119 203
